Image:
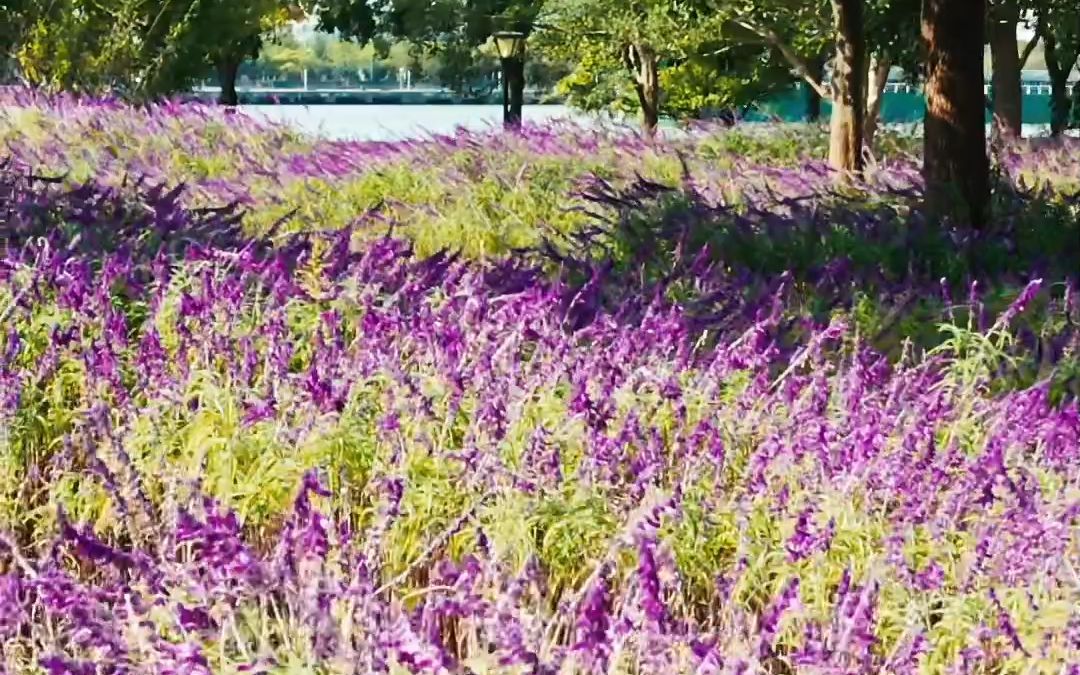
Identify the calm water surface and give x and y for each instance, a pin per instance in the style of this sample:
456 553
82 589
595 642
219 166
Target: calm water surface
399 122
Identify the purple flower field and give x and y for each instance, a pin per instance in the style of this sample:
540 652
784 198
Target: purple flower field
277 405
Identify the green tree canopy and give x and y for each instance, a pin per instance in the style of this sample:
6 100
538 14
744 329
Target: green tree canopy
142 47
626 52
431 24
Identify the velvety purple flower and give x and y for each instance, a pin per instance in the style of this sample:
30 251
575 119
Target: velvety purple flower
808 539
930 577
591 637
648 577
194 618
390 422
58 665
260 410
769 622
94 549
1020 303
1006 625
13 604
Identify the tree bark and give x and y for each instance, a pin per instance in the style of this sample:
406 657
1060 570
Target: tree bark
956 168
1074 114
1060 105
642 62
846 130
1030 46
813 98
800 65
1005 59
228 70
878 76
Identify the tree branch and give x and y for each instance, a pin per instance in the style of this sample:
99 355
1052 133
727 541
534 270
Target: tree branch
1030 46
802 68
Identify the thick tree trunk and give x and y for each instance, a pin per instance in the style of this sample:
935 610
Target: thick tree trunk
228 70
1008 101
846 132
813 98
642 62
955 165
1059 63
878 76
1060 105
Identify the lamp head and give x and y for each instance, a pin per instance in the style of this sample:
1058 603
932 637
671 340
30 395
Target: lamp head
509 44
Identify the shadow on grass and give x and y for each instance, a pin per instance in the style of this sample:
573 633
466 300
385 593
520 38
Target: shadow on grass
91 220
871 255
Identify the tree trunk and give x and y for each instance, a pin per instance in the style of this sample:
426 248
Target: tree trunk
642 62
1008 101
955 165
228 70
1074 115
1060 60
878 76
813 98
1030 46
1060 104
846 132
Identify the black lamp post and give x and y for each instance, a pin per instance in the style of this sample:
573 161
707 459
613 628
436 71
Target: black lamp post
511 48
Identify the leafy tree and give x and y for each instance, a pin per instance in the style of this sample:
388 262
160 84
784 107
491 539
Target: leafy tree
466 70
721 78
288 56
704 75
1007 102
16 17
1059 22
893 39
231 31
452 29
848 84
1053 19
343 56
621 45
144 48
545 74
783 24
55 43
865 38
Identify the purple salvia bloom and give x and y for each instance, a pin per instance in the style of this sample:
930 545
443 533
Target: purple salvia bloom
1020 304
594 622
1006 625
769 622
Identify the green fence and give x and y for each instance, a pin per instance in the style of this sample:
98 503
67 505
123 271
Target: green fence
897 107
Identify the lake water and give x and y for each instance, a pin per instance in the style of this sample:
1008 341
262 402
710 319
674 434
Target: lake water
399 122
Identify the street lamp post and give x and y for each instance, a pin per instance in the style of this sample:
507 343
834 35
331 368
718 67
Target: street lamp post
511 48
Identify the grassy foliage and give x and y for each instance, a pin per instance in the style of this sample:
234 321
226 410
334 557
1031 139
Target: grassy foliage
661 408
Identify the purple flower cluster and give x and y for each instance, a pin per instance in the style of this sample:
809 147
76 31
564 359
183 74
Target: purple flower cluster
226 453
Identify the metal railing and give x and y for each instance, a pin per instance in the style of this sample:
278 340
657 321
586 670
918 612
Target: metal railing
1028 88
